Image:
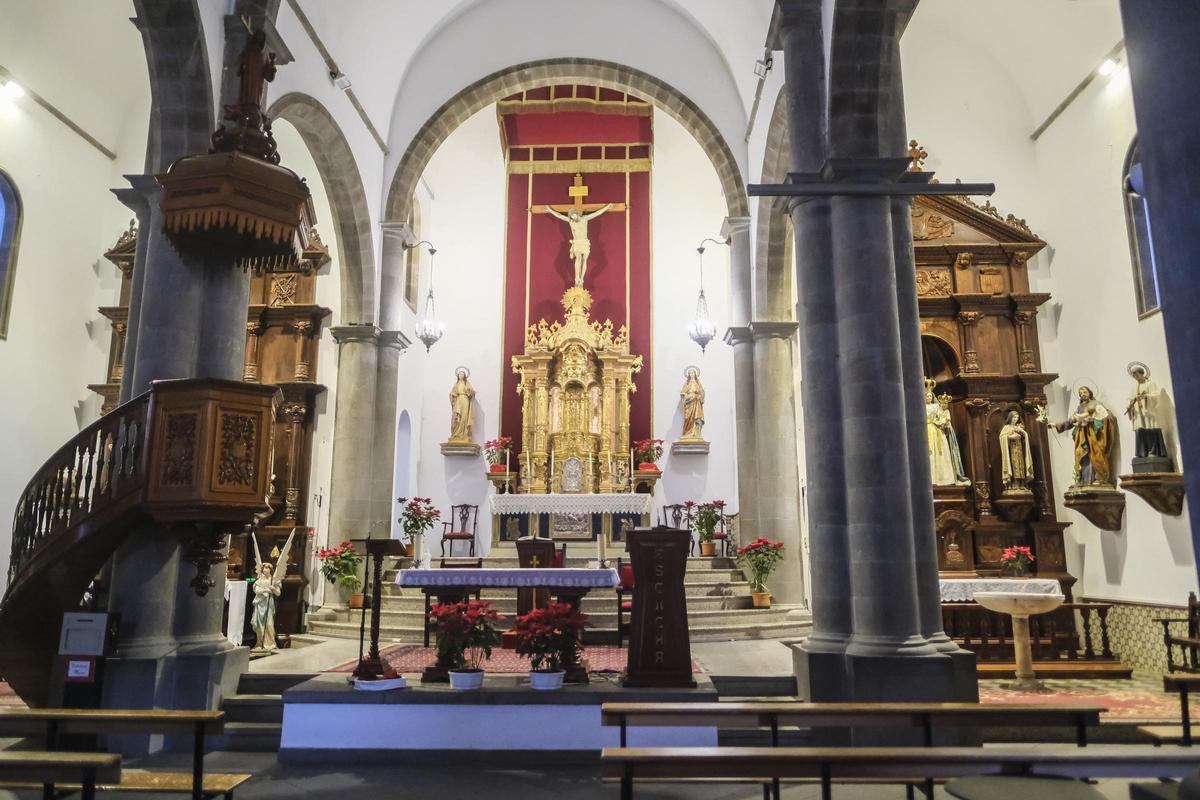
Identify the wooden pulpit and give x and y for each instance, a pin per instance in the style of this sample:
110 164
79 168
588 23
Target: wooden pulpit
533 553
660 650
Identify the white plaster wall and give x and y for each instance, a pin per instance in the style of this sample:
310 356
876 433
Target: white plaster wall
463 215
57 342
295 155
966 109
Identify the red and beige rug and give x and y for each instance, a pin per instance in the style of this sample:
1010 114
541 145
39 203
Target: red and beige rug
414 658
1140 700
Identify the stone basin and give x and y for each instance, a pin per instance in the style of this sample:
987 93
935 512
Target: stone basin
1018 603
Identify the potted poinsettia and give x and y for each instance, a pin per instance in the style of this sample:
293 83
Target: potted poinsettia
707 517
550 637
1016 560
647 452
760 558
339 566
496 452
466 633
416 516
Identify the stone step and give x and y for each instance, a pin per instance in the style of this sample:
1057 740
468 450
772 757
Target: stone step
266 683
249 737
739 588
581 562
254 707
601 620
592 604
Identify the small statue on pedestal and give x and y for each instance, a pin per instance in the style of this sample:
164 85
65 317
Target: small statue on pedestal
462 417
691 397
1142 409
1095 433
267 588
945 459
1016 458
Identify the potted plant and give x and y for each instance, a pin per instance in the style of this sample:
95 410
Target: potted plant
707 517
339 566
496 453
416 516
466 634
760 558
647 452
1016 560
550 637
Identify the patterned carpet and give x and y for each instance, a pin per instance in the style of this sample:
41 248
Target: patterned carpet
414 658
1140 700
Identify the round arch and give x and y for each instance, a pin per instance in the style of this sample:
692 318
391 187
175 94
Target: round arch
347 199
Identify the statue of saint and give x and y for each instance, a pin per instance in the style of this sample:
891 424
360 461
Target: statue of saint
692 398
1095 433
581 247
1016 459
268 585
1142 410
594 409
556 407
945 460
462 414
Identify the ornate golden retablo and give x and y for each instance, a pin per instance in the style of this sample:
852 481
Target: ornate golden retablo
576 377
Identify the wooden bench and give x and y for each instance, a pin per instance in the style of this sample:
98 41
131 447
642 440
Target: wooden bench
1182 733
829 764
774 715
85 770
49 724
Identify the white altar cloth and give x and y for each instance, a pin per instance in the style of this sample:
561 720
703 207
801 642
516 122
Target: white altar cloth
962 590
573 578
571 503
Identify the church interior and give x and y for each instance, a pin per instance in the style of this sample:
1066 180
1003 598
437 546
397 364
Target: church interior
655 398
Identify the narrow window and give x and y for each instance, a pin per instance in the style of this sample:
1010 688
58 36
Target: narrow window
1141 240
10 231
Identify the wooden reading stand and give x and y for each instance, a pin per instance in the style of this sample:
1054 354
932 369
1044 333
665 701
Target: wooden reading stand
660 650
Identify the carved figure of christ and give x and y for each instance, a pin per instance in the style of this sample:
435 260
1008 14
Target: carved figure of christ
577 215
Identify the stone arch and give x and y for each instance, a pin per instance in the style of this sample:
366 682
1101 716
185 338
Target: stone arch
772 272
348 200
181 97
547 72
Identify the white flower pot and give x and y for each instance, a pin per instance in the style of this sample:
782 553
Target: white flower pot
466 679
546 680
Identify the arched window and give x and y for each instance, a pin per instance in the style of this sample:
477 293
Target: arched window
1141 241
10 231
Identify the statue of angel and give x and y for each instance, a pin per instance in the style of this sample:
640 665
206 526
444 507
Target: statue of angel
267 587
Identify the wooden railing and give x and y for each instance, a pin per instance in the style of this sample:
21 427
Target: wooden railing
86 477
1060 634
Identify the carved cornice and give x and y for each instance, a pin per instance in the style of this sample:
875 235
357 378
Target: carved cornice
1029 301
343 334
115 314
773 330
396 340
1162 490
738 334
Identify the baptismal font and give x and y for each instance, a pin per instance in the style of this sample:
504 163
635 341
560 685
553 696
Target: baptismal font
576 378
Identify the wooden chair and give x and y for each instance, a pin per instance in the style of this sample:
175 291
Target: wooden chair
723 534
674 516
1189 644
446 594
624 600
463 526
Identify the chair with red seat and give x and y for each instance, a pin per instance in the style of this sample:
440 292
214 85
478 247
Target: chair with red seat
723 533
624 599
463 526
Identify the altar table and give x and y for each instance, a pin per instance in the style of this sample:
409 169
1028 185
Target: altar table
569 585
962 590
566 517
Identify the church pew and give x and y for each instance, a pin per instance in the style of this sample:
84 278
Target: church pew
35 769
49 724
1183 685
897 764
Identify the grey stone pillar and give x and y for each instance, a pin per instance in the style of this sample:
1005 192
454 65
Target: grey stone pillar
393 256
135 199
778 482
392 345
353 432
222 345
737 336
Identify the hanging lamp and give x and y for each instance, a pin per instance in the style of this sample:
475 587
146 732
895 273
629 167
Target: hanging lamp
429 329
702 330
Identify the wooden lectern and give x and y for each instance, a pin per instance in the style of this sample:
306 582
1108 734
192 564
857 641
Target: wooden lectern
660 651
533 553
373 666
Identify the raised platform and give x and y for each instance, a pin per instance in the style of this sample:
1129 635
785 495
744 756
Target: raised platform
325 719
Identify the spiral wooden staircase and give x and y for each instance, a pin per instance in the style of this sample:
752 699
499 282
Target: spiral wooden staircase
191 458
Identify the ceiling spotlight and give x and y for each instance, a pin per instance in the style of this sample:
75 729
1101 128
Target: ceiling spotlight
340 80
762 66
12 90
1108 67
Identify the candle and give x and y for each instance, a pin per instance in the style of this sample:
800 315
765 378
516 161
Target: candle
551 470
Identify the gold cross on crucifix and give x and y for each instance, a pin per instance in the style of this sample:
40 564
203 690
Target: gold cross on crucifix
577 214
535 562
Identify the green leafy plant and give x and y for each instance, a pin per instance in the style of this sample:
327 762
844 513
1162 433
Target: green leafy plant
417 515
550 636
760 558
339 565
466 633
707 517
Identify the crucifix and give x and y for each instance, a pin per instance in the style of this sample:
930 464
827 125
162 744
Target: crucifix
577 214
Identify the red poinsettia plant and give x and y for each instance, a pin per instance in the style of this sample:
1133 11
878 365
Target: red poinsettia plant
647 452
466 633
416 516
550 636
760 558
496 452
340 565
707 516
1017 559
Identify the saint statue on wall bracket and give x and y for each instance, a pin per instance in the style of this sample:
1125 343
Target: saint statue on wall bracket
1093 492
462 416
691 399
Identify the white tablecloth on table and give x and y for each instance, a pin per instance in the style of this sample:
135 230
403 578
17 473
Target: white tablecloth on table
520 578
235 596
962 590
571 503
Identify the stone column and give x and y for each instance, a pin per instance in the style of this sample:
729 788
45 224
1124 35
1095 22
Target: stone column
135 199
737 336
392 345
778 468
353 432
221 348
